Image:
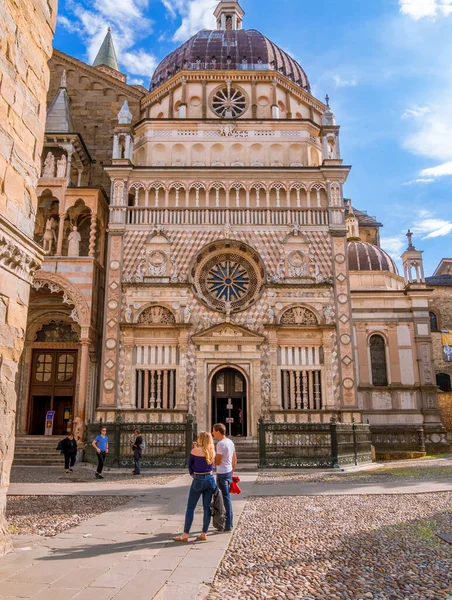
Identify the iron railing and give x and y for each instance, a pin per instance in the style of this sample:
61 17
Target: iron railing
317 445
167 444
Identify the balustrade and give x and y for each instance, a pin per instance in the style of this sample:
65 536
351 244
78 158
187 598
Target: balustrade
221 216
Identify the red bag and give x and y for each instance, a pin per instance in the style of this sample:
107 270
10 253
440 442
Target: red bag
234 488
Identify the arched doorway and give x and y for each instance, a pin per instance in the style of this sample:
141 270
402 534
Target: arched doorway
229 401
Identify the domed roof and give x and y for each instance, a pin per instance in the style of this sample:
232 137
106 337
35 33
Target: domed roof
363 256
239 49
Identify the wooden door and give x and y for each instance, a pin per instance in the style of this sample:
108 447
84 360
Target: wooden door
53 379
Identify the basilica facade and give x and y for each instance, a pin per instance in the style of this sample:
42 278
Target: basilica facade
221 274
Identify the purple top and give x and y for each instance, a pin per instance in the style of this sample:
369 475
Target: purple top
198 464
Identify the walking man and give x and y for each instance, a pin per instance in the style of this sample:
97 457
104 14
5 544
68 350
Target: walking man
226 461
138 447
69 449
100 444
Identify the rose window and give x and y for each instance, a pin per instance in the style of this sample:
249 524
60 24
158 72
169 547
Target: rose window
229 103
228 280
228 276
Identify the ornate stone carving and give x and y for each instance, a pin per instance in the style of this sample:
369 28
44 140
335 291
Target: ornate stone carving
156 315
71 295
297 264
157 263
56 331
174 270
15 259
298 315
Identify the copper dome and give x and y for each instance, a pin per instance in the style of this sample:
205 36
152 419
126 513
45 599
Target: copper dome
363 256
244 49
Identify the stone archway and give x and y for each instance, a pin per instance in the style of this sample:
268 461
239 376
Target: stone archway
229 400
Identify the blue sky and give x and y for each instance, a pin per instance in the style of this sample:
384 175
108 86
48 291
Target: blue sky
386 65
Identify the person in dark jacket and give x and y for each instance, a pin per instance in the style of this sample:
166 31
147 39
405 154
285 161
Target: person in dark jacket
137 446
69 449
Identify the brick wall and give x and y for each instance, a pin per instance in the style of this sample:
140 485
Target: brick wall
27 29
96 99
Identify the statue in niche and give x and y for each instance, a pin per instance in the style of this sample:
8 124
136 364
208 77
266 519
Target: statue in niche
49 166
49 238
175 270
278 277
271 314
331 147
141 269
128 314
328 311
74 239
187 314
61 167
227 310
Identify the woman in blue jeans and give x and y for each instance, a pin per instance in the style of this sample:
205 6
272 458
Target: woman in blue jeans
200 465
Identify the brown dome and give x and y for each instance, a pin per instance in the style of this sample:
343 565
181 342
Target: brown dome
363 256
244 49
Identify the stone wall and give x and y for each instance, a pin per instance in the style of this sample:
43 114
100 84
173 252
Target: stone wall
441 304
445 406
25 48
96 98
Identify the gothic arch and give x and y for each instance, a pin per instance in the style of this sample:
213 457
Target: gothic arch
58 284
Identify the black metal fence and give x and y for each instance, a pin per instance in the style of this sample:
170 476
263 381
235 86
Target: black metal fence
317 445
167 444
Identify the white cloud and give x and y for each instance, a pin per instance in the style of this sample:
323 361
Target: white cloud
429 226
420 180
129 24
341 82
418 9
394 244
439 171
196 15
415 112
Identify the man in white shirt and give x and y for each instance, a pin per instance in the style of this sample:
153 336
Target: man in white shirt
226 461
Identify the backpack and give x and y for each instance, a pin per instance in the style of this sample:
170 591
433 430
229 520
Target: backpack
217 510
143 446
60 446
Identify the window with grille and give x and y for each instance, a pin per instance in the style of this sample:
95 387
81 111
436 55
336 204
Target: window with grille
378 360
433 321
301 389
155 389
443 382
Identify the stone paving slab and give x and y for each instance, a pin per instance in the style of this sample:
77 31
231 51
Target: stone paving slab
128 552
122 554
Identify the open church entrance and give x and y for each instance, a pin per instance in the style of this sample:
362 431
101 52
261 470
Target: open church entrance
229 401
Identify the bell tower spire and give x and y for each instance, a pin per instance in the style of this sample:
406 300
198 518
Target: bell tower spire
229 15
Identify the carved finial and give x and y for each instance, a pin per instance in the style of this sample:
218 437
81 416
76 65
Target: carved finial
327 100
63 82
409 235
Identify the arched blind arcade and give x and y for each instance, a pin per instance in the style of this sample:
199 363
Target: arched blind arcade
378 360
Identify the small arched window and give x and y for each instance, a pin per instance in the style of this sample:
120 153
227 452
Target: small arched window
443 382
433 321
378 360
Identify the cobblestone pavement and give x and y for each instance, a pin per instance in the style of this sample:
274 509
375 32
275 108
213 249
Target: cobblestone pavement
339 548
420 470
86 475
50 515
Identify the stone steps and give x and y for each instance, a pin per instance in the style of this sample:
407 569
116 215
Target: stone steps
37 450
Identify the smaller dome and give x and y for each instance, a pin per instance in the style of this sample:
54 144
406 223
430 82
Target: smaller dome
363 256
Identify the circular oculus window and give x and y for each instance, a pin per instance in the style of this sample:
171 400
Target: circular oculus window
230 277
229 102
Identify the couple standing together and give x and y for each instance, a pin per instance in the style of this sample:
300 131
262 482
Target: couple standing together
202 460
